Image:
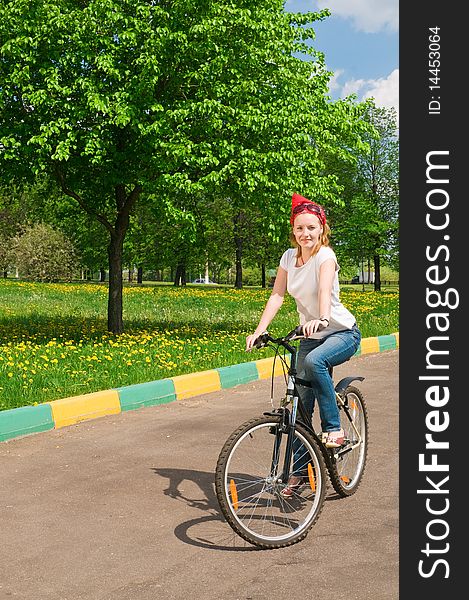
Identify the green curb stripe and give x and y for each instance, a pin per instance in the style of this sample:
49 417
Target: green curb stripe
25 420
387 342
146 394
236 374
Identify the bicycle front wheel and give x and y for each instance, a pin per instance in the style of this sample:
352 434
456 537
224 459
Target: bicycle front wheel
248 483
350 459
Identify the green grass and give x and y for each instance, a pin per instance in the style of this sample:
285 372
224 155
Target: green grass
54 343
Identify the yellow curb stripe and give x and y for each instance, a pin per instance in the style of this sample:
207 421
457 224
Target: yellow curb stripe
76 409
264 367
195 384
368 345
69 411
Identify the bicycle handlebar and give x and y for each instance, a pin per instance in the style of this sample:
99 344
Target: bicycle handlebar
265 338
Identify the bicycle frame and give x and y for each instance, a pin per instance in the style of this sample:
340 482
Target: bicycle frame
252 480
289 418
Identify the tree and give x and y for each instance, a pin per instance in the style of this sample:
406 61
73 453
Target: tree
366 226
9 225
122 98
43 254
20 206
379 172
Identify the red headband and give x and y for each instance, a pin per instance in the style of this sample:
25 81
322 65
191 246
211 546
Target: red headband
300 205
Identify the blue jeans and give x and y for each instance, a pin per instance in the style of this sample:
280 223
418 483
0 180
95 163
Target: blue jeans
315 357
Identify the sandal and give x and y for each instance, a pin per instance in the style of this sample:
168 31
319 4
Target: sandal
294 484
333 439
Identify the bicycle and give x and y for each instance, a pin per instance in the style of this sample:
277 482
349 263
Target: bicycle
256 461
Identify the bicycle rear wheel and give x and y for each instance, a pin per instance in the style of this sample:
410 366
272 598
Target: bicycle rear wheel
350 459
248 484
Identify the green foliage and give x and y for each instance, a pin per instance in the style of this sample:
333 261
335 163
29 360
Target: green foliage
196 96
43 254
367 223
5 252
185 101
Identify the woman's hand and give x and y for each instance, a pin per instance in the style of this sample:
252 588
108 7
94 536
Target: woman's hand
250 341
312 326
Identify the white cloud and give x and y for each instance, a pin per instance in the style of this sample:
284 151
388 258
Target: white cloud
334 85
384 90
369 16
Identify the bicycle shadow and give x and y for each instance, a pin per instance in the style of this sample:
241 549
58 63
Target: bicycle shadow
211 530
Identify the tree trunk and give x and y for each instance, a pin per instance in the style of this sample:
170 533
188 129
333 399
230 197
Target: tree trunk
115 323
124 204
363 276
376 260
180 278
238 240
263 275
5 274
239 265
140 275
102 275
177 277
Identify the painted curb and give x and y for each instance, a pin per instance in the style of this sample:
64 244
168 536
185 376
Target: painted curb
69 411
18 422
25 420
146 394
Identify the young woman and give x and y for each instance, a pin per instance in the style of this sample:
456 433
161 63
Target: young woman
309 272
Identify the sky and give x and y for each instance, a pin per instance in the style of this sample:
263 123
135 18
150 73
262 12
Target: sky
360 41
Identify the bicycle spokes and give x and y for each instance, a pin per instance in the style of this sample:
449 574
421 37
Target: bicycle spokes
350 458
252 493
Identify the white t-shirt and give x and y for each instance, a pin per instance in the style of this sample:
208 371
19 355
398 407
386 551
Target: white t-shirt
302 285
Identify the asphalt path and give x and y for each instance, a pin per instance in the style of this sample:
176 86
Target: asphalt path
124 508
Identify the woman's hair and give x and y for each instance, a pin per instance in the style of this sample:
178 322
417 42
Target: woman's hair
323 240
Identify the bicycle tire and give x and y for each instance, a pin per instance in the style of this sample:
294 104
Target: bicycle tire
349 461
249 497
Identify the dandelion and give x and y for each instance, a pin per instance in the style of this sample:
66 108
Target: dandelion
195 329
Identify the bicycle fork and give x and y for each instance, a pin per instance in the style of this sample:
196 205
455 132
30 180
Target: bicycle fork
286 427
